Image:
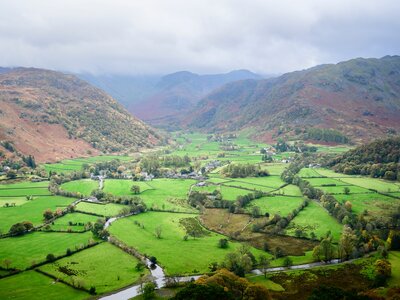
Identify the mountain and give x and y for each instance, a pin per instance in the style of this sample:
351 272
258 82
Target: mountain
53 116
358 99
161 100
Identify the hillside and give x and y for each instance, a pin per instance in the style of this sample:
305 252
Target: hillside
358 99
161 100
380 158
53 116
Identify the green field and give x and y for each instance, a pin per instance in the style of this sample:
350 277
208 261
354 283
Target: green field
309 173
289 190
173 253
31 211
274 168
35 286
340 189
227 192
375 204
31 248
317 182
373 183
168 194
64 224
106 210
70 165
282 205
104 266
394 259
24 185
120 187
83 186
261 182
314 218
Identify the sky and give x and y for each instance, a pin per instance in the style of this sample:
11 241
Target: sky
128 37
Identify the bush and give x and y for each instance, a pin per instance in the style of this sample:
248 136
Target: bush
50 257
223 243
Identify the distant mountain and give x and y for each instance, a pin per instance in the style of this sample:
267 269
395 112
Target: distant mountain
359 99
52 116
161 100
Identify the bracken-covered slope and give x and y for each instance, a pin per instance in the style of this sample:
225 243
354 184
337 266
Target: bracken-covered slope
360 98
52 116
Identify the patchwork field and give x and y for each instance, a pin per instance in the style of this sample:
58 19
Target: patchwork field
73 222
104 267
31 211
35 286
119 187
106 210
175 254
23 251
282 205
83 186
314 218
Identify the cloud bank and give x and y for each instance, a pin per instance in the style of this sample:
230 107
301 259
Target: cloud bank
163 36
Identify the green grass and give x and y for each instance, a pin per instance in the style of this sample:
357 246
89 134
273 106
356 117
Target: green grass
333 174
317 182
24 185
79 218
13 201
107 210
376 204
289 190
260 182
274 168
34 286
104 266
394 259
168 194
33 247
173 253
315 218
309 173
340 189
281 205
373 183
228 193
31 211
83 186
120 187
269 284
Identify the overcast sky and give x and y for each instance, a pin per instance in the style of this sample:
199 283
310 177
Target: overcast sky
205 36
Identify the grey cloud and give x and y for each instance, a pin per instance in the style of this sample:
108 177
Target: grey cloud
131 36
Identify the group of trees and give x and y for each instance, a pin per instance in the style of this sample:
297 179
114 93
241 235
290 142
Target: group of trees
325 135
243 170
20 228
298 147
380 159
174 161
223 285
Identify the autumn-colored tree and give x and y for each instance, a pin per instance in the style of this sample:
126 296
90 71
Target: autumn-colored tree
347 243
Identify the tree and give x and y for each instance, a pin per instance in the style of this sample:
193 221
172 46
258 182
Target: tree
7 263
347 243
47 215
383 270
348 206
325 250
135 189
223 243
140 266
20 228
256 292
255 211
158 231
346 190
11 174
148 290
50 257
264 264
239 262
287 262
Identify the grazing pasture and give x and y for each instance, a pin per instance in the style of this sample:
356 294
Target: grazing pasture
83 186
289 190
174 253
121 187
35 286
104 267
380 185
314 218
106 210
31 211
73 222
32 248
282 205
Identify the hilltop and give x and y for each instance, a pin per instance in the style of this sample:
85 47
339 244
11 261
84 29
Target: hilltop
53 116
352 100
161 100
